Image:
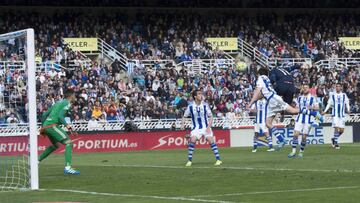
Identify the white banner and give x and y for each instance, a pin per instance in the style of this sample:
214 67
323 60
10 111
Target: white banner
321 135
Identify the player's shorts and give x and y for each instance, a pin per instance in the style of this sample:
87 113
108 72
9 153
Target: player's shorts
338 122
303 128
261 127
56 134
198 133
286 90
275 104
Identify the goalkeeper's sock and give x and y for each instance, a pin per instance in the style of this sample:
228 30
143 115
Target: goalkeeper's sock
215 150
47 152
68 154
191 149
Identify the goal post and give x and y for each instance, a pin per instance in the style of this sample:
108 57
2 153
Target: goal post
33 141
25 165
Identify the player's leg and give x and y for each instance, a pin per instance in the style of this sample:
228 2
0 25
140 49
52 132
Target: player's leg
302 145
294 144
341 131
210 138
280 105
275 132
66 141
255 141
51 134
191 146
256 136
267 135
337 132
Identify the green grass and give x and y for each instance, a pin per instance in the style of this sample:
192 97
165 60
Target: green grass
323 175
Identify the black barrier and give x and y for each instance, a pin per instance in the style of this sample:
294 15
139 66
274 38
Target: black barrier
356 132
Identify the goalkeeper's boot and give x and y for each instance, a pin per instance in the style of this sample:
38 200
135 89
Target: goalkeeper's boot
301 154
218 163
254 150
189 163
291 155
71 171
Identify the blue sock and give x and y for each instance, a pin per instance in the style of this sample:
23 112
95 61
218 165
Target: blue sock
302 146
215 150
278 136
191 149
336 137
255 144
269 140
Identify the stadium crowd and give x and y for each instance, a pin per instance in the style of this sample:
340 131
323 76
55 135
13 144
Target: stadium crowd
182 35
164 93
161 94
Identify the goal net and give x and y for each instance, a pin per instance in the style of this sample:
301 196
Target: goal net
18 122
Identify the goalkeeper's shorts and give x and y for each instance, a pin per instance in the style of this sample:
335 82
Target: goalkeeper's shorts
56 134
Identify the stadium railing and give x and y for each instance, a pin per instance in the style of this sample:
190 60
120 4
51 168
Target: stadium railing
198 66
156 124
337 62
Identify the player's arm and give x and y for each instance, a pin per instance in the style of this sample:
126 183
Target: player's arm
347 104
256 96
329 105
186 114
211 119
253 108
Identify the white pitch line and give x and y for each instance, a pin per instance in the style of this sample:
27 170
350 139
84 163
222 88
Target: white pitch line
138 196
279 191
228 167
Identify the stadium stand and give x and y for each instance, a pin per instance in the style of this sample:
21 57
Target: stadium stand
163 92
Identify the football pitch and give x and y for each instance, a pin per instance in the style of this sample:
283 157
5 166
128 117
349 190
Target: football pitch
323 175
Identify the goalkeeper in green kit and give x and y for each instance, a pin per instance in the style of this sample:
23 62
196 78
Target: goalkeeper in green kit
51 121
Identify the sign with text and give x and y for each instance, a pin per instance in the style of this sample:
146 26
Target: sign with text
112 142
82 44
350 42
223 43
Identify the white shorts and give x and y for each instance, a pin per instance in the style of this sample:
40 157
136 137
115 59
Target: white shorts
275 105
338 122
261 127
303 128
198 133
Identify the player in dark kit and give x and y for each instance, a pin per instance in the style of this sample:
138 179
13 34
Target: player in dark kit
283 83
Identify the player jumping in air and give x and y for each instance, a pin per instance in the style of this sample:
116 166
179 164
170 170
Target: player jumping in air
275 104
51 121
260 124
339 103
202 120
303 122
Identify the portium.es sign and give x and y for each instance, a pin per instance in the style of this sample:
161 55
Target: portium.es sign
350 42
82 44
223 43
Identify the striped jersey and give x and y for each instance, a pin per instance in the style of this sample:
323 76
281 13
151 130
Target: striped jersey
305 102
338 102
260 106
199 115
265 87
